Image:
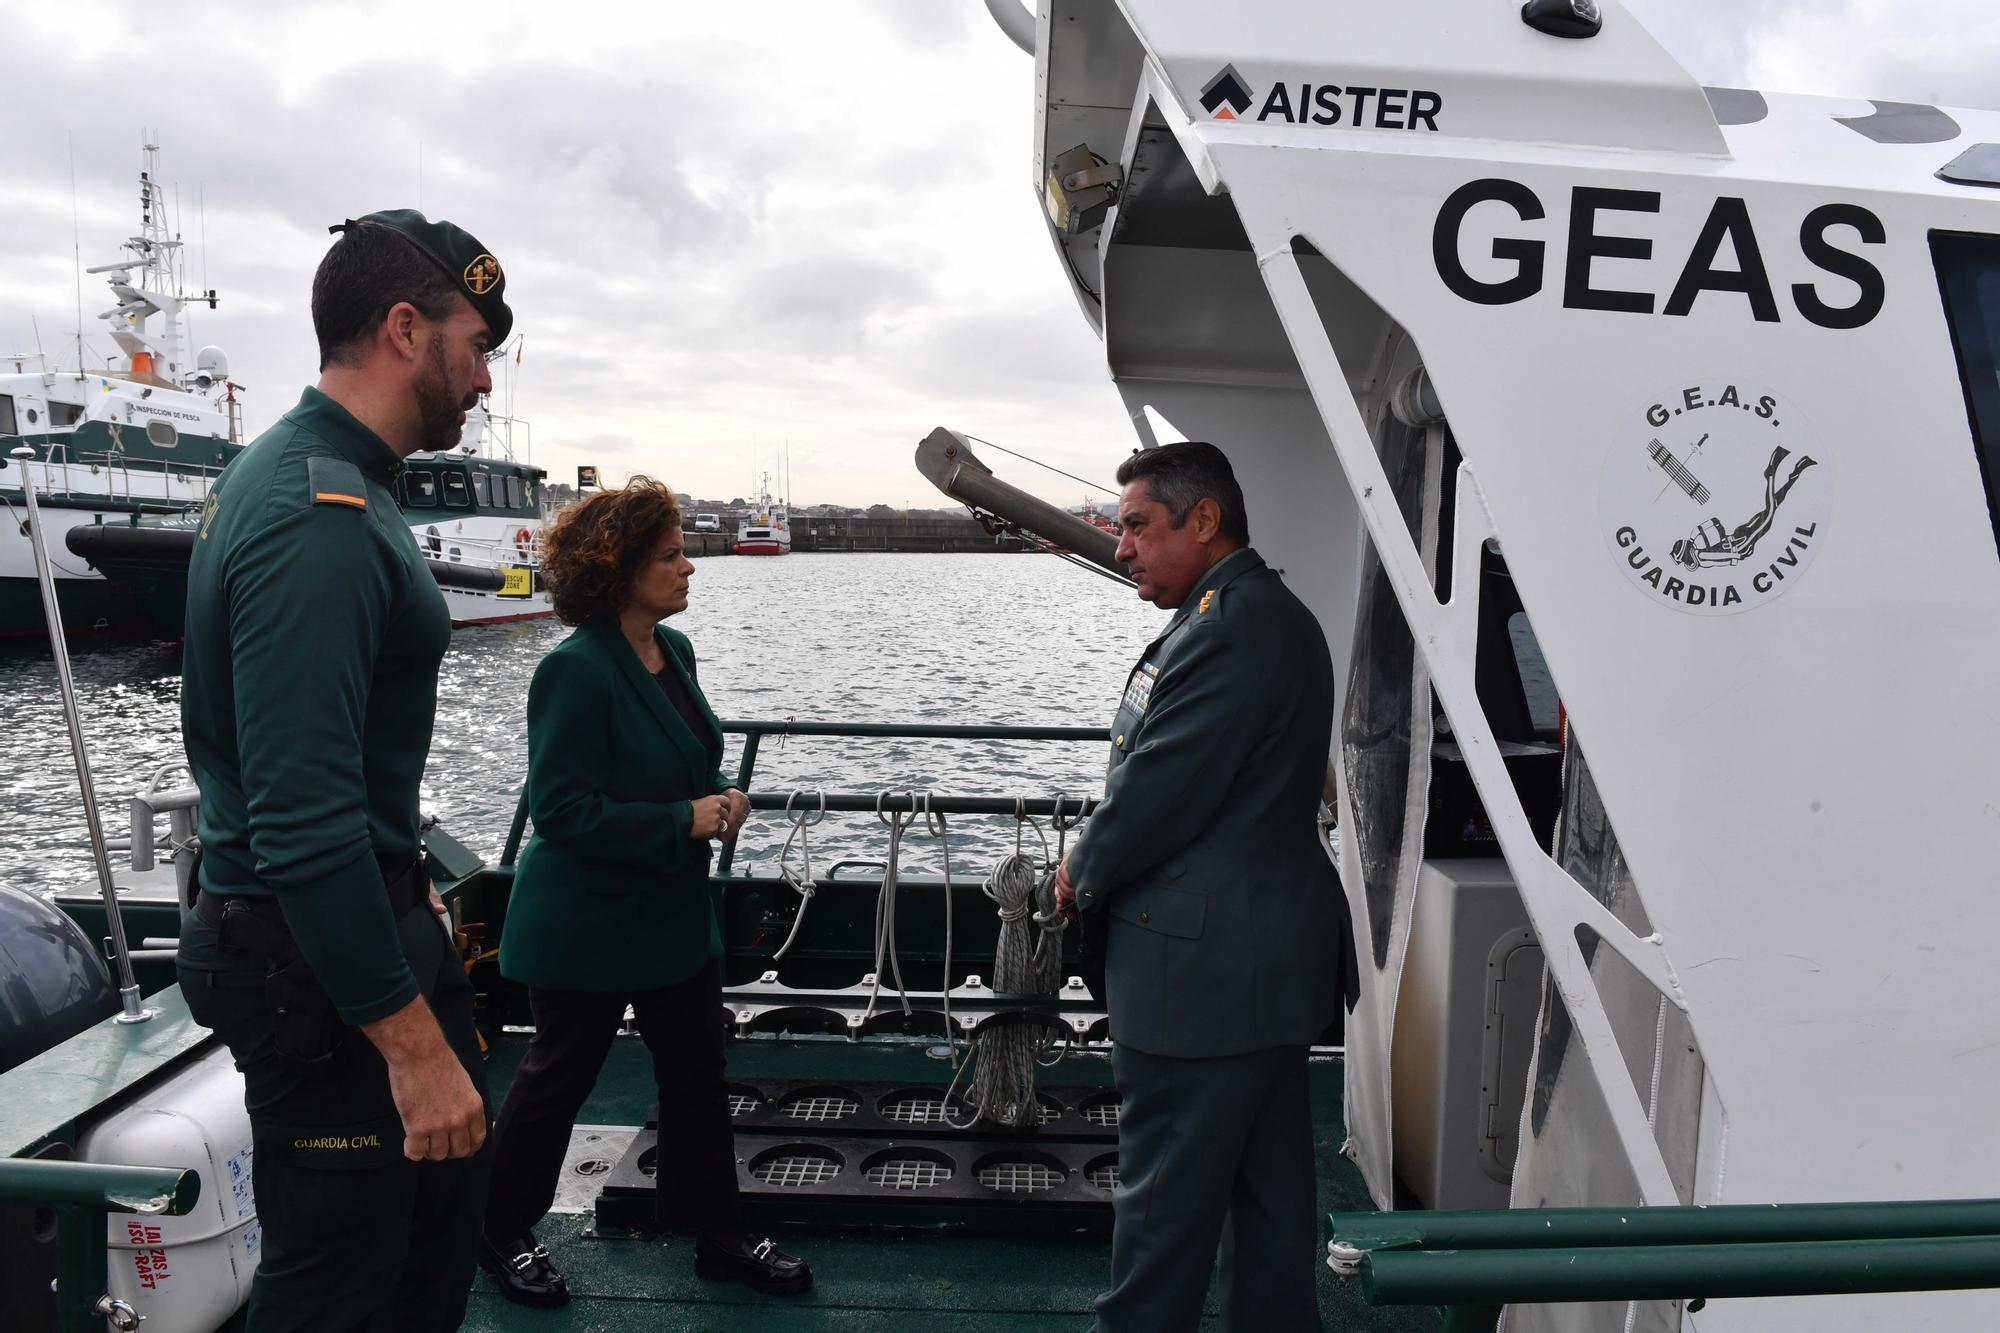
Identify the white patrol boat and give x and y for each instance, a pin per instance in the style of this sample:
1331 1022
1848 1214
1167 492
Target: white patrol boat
765 530
112 446
1576 398
477 506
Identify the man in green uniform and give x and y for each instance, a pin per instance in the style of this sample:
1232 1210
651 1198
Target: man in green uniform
314 634
1219 913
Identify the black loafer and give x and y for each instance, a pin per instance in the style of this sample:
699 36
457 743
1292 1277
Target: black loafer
522 1271
758 1262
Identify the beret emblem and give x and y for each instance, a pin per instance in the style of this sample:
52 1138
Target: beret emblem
482 275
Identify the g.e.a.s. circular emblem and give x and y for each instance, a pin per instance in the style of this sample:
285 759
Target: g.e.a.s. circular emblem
1715 496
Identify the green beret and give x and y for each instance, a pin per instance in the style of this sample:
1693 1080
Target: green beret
459 254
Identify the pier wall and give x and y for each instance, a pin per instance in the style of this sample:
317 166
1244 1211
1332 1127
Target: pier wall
872 534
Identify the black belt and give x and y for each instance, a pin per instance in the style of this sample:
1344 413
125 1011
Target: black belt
408 889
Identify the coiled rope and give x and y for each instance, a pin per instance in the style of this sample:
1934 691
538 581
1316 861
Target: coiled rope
1027 960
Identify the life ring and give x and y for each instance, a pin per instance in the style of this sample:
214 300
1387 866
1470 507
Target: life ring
524 544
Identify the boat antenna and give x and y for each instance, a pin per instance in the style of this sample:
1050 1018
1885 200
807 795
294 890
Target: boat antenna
180 279
76 241
201 216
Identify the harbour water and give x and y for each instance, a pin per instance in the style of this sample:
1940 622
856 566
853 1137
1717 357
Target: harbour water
1003 639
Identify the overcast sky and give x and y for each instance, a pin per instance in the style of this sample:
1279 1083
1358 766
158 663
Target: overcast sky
727 228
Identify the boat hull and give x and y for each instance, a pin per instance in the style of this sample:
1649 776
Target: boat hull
91 603
763 547
469 607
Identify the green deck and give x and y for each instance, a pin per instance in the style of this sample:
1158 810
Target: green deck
47 1097
941 1280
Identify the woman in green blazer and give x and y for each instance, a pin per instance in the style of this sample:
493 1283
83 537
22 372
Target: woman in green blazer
611 904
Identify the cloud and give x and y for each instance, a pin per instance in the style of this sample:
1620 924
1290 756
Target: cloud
722 233
1947 51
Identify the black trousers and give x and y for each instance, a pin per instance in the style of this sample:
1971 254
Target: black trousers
695 1180
356 1238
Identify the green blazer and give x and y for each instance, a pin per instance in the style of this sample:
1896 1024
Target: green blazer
611 894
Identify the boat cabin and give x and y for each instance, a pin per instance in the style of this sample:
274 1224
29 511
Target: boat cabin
469 486
113 420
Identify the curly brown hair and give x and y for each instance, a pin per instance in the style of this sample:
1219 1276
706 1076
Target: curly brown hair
593 549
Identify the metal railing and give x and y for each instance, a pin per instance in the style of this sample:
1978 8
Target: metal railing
1479 1261
57 479
494 552
754 732
83 1194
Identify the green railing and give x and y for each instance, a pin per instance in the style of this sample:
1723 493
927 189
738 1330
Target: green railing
83 1194
753 734
1476 1262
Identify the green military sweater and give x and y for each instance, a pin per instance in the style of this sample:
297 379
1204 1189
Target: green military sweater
309 685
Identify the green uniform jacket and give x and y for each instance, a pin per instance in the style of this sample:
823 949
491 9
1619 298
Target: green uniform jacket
611 894
1227 920
309 685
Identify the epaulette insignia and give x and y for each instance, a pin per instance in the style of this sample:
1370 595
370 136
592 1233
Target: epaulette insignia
335 481
1206 598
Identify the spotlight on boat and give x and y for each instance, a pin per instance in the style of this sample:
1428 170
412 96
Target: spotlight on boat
1081 187
1563 18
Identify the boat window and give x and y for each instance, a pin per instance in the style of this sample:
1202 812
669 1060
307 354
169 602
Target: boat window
516 496
162 434
482 489
456 493
1969 274
8 426
420 490
62 416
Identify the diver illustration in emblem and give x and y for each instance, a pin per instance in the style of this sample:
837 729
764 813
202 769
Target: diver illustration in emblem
1708 545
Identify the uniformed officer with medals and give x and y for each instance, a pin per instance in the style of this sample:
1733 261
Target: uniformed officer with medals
315 950
1204 884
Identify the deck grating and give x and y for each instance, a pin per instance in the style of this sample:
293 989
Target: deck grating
793 1170
942 1281
920 1111
822 1108
908 1173
1019 1177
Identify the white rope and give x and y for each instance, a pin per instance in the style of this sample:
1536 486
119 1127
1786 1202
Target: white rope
1048 970
935 825
885 904
801 882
